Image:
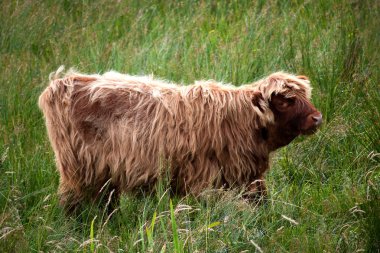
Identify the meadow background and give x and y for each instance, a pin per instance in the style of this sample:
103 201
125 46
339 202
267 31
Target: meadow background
324 189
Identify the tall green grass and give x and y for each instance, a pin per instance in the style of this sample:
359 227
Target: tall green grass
324 189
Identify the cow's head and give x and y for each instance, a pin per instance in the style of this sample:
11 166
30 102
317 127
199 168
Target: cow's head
288 98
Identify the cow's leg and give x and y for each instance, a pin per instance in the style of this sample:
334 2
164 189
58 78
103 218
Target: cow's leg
70 196
256 191
107 196
195 176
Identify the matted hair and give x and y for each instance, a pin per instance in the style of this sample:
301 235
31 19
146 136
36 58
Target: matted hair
121 128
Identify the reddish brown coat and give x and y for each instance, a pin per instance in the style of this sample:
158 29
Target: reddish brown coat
127 130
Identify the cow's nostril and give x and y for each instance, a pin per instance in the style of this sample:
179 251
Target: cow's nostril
317 119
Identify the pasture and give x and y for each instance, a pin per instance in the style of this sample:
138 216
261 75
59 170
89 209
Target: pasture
324 189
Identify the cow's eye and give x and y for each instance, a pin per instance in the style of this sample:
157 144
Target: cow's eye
282 103
290 101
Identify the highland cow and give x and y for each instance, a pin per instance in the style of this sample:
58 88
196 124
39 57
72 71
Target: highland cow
126 130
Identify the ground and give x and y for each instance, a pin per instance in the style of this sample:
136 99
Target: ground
324 190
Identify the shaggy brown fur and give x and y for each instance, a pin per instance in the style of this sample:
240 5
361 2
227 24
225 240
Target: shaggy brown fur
120 129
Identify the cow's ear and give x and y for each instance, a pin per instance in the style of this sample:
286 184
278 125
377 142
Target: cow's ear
303 78
281 103
257 100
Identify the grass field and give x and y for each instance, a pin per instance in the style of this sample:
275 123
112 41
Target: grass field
324 189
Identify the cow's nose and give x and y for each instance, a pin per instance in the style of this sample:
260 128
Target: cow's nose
317 119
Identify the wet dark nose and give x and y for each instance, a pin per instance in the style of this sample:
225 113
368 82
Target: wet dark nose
317 119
